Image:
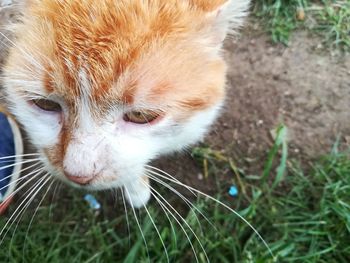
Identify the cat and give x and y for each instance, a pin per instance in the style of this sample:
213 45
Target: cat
104 87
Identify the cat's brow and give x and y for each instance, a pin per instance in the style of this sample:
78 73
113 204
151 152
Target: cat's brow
36 95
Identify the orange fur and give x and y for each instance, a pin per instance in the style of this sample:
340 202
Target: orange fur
109 39
208 6
153 52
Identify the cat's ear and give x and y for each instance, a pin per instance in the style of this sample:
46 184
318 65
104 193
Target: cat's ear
223 16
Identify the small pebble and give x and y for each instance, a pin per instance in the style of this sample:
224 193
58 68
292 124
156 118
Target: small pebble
300 14
200 176
260 122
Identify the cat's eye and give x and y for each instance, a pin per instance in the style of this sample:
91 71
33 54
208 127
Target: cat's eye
47 105
141 117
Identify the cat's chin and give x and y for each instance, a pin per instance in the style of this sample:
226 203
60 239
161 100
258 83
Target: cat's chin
138 193
91 186
139 199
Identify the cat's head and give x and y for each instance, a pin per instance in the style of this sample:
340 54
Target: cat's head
103 87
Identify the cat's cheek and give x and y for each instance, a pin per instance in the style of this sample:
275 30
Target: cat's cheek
183 134
42 128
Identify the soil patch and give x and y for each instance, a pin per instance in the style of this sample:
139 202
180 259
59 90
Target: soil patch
300 85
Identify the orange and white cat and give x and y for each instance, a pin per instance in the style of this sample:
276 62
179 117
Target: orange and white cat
104 87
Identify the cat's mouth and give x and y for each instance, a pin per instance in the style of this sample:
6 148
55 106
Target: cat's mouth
80 180
85 182
97 182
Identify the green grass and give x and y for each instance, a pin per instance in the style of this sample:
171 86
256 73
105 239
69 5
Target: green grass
303 214
330 19
333 22
279 17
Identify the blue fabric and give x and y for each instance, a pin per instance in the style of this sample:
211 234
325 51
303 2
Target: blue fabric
7 148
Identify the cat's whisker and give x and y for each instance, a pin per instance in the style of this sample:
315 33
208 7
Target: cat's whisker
155 227
171 224
2 162
34 214
166 214
186 200
170 176
186 223
27 192
36 172
225 206
24 162
29 196
19 209
21 171
20 179
138 224
19 155
154 193
56 189
153 175
126 214
21 213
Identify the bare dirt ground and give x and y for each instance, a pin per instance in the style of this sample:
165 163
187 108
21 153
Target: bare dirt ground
306 89
302 86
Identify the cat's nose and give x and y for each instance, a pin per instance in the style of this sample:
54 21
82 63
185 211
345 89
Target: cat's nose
82 180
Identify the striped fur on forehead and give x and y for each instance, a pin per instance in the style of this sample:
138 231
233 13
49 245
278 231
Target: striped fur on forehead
146 52
114 43
180 78
107 38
